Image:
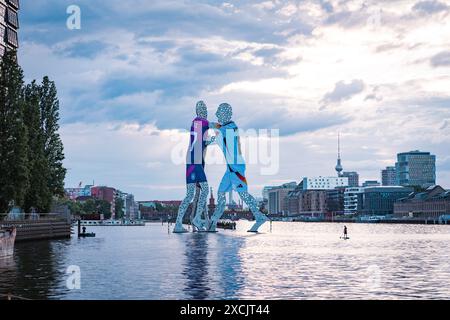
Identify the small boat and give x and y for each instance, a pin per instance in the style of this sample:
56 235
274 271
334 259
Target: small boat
227 225
7 239
87 235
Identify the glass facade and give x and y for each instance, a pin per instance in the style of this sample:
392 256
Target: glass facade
9 24
353 178
380 201
416 168
389 176
12 18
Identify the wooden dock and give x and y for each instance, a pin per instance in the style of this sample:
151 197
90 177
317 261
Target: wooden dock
28 230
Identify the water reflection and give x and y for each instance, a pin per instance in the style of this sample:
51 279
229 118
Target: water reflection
229 265
32 273
295 261
196 266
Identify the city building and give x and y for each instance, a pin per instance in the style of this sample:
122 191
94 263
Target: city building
353 200
416 168
431 204
265 192
75 193
292 200
389 176
313 203
379 201
371 183
232 204
107 194
324 183
130 210
335 201
353 178
9 25
277 198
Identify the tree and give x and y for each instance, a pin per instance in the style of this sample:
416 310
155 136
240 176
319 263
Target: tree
119 207
54 149
38 194
13 134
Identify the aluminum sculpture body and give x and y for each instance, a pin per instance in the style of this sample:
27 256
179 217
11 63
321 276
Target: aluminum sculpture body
234 178
195 170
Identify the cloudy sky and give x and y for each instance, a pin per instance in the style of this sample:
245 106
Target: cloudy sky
376 71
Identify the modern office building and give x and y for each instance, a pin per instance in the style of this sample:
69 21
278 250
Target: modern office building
371 183
389 176
353 200
9 25
353 179
278 203
324 183
335 201
379 201
431 204
416 168
265 192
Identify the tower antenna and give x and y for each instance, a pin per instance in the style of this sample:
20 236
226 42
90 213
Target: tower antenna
339 167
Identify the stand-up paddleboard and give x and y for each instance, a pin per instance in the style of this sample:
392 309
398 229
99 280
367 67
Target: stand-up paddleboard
345 238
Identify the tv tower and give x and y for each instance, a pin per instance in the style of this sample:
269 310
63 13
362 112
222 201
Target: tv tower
339 167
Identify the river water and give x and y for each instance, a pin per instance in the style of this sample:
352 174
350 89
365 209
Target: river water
293 261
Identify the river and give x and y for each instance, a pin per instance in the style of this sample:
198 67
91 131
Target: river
291 261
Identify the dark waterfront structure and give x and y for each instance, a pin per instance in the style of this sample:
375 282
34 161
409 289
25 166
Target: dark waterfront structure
389 176
416 168
48 226
353 178
380 200
431 204
9 25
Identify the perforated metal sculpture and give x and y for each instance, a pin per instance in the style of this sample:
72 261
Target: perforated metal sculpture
195 170
227 137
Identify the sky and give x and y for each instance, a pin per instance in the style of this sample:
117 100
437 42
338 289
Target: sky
377 72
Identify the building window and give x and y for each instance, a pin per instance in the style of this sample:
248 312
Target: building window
12 38
2 12
12 18
2 34
14 3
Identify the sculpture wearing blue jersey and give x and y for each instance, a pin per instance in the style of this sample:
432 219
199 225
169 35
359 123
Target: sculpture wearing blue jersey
195 170
227 137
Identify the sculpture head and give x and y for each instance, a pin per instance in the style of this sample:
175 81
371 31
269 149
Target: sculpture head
201 110
224 113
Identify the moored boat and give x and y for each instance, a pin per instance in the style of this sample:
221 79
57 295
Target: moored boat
7 239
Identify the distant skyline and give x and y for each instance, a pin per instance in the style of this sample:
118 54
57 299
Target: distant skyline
378 72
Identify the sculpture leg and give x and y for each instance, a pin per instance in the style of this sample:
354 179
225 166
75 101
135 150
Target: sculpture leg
183 207
197 221
252 204
221 201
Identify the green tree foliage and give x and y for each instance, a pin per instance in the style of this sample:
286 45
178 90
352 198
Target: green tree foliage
54 149
38 195
119 208
13 135
31 150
